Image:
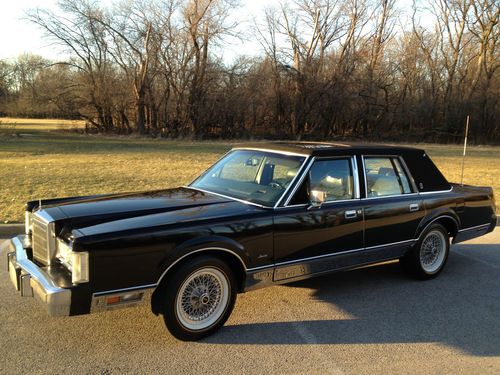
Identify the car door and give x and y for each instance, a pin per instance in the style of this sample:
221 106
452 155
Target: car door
321 222
392 207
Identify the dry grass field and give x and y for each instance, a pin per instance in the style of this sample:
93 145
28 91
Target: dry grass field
29 124
37 160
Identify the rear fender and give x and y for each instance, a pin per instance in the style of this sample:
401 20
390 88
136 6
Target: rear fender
449 219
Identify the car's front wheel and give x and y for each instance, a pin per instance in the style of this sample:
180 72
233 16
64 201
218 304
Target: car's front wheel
430 254
198 298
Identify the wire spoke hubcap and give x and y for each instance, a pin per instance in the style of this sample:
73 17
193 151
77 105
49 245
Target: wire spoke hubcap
433 251
202 298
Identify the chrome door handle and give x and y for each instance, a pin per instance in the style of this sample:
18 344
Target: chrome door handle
350 214
414 207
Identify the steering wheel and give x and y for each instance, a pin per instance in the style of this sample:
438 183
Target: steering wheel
277 185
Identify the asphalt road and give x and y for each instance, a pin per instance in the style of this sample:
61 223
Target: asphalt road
373 320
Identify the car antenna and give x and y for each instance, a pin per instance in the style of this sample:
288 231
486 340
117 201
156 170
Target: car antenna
465 149
39 204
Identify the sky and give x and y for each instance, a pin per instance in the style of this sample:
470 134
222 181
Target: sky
18 36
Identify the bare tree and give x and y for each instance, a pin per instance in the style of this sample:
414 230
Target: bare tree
205 21
329 69
75 29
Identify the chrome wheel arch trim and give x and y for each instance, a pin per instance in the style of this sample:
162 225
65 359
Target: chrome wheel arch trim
457 223
200 251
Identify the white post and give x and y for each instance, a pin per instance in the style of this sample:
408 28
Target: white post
465 149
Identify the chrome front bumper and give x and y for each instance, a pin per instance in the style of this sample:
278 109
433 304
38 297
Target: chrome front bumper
32 281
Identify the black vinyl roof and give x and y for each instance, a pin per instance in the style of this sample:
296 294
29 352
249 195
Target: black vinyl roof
327 148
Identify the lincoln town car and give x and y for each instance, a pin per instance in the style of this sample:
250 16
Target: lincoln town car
264 214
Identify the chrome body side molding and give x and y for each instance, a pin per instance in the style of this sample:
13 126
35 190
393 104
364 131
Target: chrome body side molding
472 232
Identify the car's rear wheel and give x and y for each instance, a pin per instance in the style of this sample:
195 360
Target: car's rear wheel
198 298
430 254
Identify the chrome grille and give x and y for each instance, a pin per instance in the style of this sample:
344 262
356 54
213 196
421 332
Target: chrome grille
41 240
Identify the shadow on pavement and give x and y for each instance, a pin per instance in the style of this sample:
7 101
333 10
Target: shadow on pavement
460 308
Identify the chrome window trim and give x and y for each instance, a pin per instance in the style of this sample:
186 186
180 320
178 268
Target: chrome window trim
304 169
365 178
408 174
435 192
364 175
357 190
354 169
322 205
290 153
292 183
198 251
307 157
391 196
300 180
415 192
355 176
339 201
293 206
475 227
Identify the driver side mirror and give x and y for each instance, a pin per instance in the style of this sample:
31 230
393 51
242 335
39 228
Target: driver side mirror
316 198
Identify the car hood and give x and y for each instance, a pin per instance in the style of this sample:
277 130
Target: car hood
148 208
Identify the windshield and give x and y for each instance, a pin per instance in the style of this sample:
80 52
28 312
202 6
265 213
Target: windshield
255 176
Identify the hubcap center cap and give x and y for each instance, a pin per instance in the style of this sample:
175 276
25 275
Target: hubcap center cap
204 298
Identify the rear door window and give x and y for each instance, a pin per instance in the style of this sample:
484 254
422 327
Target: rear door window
385 176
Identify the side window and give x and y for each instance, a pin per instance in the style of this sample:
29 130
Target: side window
333 177
385 176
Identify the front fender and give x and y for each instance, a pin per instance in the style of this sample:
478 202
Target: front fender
206 243
195 246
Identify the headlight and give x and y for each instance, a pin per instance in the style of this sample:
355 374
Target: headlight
76 262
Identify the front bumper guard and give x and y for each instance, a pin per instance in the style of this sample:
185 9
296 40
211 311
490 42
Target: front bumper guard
32 281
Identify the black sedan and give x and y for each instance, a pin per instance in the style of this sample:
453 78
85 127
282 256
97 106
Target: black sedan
263 214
